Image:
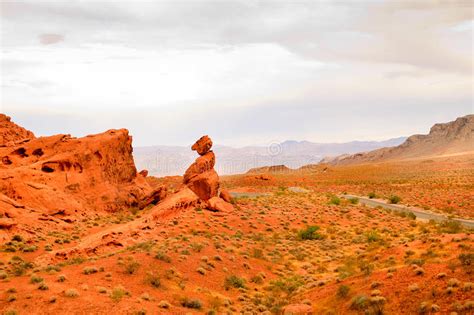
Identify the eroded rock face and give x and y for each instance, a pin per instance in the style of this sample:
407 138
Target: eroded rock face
61 174
11 133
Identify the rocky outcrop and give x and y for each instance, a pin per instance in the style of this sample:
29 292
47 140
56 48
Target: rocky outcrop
200 186
64 175
11 133
201 177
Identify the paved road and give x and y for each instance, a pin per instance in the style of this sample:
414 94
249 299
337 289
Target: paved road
419 213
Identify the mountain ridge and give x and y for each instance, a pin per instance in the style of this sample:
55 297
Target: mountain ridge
164 160
453 137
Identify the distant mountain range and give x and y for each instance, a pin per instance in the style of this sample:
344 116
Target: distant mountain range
444 139
173 160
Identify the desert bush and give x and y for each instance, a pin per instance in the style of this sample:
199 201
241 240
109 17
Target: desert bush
89 270
61 278
359 302
354 201
43 286
118 293
372 236
3 275
257 279
191 303
372 195
35 279
468 286
201 271
343 291
153 279
131 265
163 257
71 293
234 281
450 227
394 199
466 259
335 200
19 266
310 233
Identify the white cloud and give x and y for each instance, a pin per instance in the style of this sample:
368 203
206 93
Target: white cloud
187 63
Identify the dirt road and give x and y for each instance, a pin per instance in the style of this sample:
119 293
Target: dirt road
419 213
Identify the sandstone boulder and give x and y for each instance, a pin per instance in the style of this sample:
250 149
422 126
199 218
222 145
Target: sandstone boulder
225 195
202 179
200 176
203 145
218 204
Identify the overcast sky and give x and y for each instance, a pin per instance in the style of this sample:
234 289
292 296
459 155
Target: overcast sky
244 72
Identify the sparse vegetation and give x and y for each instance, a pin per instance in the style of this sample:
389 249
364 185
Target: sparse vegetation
234 281
310 233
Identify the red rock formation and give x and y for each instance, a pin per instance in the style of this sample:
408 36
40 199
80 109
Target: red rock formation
224 194
203 145
60 175
201 186
203 180
10 133
201 177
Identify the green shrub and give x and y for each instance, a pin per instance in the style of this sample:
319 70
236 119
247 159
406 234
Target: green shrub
335 200
372 236
394 199
343 291
153 280
131 266
310 233
163 257
234 281
354 200
359 302
372 195
35 279
118 293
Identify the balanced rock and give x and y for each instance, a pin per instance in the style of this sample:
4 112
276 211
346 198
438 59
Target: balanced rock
200 176
203 145
202 179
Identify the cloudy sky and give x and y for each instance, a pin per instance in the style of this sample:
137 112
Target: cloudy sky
244 72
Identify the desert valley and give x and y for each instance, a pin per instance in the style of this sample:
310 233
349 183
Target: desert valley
82 231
